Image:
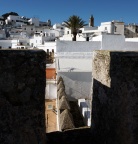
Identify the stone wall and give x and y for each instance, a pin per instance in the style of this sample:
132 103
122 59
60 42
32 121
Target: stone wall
22 94
76 136
115 97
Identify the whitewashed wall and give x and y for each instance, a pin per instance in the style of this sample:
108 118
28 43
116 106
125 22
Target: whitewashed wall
76 46
131 39
51 90
106 26
34 21
50 46
8 43
75 69
119 28
113 42
131 46
77 84
74 64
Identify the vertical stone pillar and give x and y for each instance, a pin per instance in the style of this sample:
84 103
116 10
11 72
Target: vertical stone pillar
22 96
115 97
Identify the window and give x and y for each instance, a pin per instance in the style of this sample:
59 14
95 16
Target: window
115 29
105 28
49 107
87 38
80 31
67 32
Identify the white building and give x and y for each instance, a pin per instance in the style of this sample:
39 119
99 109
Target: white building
59 28
29 29
2 34
74 64
45 35
16 20
114 27
8 44
34 21
88 32
15 43
40 38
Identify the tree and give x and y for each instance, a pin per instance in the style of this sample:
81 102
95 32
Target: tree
74 23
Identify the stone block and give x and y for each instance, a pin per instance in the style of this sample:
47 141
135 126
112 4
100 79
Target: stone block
115 97
22 96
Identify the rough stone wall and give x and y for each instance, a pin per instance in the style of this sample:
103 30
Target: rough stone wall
22 94
115 97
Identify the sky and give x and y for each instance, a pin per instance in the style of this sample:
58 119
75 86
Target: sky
60 10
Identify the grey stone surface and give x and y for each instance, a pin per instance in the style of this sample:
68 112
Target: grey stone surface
115 97
22 96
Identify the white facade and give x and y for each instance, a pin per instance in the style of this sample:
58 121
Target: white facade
118 27
41 38
85 111
87 32
34 21
29 29
51 90
73 63
8 43
107 27
58 26
114 27
2 34
16 20
60 29
16 43
131 39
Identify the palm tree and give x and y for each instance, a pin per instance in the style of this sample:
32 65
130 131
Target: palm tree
74 23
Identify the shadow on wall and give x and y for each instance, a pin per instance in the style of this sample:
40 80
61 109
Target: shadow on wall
77 87
115 107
